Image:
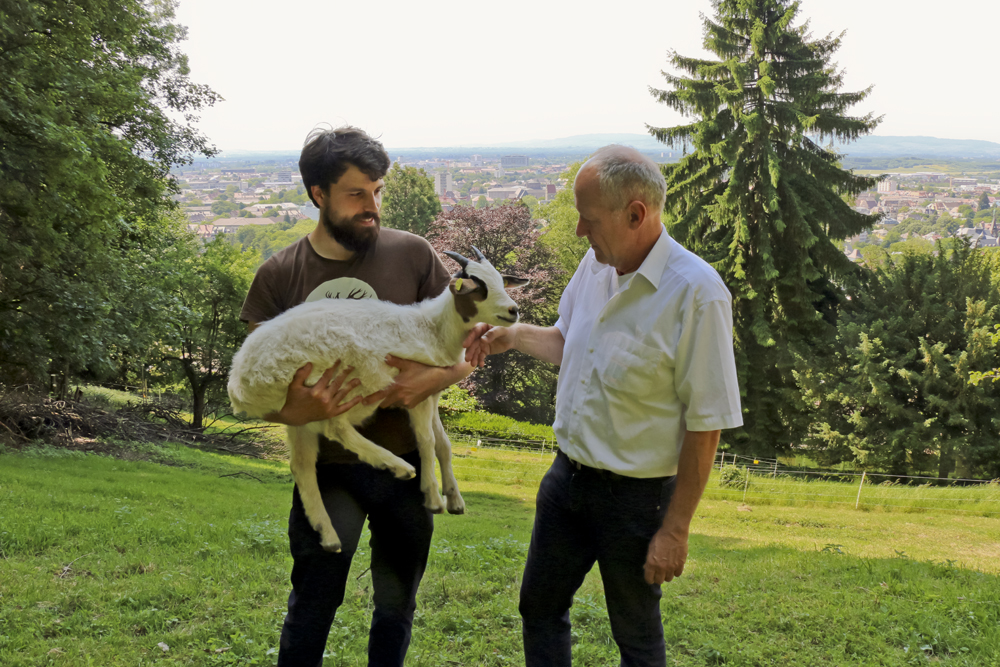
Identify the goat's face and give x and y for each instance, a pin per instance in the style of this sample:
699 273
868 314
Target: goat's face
479 292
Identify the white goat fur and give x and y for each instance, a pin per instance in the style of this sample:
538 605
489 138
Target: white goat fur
361 334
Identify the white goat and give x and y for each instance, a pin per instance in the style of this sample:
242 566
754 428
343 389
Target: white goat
361 334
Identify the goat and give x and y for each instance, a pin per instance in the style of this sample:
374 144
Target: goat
361 334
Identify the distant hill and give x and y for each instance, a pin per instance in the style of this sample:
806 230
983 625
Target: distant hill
874 146
580 145
870 146
591 142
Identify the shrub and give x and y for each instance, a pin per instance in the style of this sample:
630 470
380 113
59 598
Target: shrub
732 477
497 426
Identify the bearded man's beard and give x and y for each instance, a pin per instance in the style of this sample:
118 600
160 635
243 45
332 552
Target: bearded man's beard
349 233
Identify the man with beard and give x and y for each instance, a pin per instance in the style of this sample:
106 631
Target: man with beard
348 256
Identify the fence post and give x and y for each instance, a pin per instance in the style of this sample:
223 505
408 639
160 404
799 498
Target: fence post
860 486
746 484
775 473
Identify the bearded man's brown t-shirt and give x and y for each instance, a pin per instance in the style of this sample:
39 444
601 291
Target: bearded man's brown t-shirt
401 268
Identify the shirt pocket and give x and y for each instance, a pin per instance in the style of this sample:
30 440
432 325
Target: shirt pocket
630 367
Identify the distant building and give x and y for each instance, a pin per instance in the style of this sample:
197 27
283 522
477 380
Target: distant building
476 161
511 161
233 225
442 183
513 193
550 191
888 186
959 182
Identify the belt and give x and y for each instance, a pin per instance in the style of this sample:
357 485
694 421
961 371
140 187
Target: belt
607 474
600 472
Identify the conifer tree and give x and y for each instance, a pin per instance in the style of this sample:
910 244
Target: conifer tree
761 199
897 395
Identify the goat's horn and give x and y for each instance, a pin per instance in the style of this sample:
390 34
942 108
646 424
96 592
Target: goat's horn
462 261
479 255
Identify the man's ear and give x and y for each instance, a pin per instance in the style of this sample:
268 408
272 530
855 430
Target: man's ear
637 213
317 193
513 281
462 285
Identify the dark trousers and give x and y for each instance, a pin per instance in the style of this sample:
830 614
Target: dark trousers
401 530
585 516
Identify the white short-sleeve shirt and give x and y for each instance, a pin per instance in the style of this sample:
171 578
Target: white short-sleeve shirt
644 361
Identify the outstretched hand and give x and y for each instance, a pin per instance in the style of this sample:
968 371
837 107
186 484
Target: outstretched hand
485 340
325 399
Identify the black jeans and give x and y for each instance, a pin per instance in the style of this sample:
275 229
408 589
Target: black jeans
585 516
401 529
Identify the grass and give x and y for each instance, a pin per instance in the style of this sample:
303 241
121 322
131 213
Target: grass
102 561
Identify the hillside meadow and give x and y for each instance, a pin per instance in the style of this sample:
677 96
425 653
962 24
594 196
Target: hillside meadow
181 560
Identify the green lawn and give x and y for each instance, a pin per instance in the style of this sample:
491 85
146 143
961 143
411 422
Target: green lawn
102 561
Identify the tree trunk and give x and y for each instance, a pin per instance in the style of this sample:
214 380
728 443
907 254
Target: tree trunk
947 462
198 409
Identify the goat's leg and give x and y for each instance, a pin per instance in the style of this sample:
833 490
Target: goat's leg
421 418
304 447
368 451
442 447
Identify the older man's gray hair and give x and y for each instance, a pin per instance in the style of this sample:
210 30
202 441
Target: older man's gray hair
626 175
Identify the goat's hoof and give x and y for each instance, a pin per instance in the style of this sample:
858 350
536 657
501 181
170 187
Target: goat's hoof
456 505
407 472
332 547
435 505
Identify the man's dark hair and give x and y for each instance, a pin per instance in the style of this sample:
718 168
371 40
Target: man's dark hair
328 153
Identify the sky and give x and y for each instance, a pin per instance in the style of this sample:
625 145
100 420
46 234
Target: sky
445 73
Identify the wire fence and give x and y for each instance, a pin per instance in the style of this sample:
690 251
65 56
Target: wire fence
750 480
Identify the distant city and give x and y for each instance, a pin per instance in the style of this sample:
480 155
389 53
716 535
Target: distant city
929 206
230 192
218 197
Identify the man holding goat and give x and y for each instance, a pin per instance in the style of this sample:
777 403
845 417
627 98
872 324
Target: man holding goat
348 256
647 380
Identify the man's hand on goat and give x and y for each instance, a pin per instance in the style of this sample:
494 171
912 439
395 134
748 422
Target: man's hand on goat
325 399
485 340
415 382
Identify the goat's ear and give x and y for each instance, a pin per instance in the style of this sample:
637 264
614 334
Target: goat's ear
462 285
512 281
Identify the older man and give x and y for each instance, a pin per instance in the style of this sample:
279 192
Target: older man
647 380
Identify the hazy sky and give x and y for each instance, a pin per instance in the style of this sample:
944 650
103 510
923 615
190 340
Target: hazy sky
450 73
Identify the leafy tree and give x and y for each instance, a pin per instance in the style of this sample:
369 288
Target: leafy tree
269 239
761 199
409 202
95 109
897 394
481 202
984 202
512 384
561 219
222 207
531 202
203 336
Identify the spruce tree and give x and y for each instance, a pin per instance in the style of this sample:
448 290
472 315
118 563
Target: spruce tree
761 199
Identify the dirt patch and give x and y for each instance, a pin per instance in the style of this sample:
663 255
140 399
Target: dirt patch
29 419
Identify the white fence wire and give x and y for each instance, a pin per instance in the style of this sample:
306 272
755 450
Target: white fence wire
751 480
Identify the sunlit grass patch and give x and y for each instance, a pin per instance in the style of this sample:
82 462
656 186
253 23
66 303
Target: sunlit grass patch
103 560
